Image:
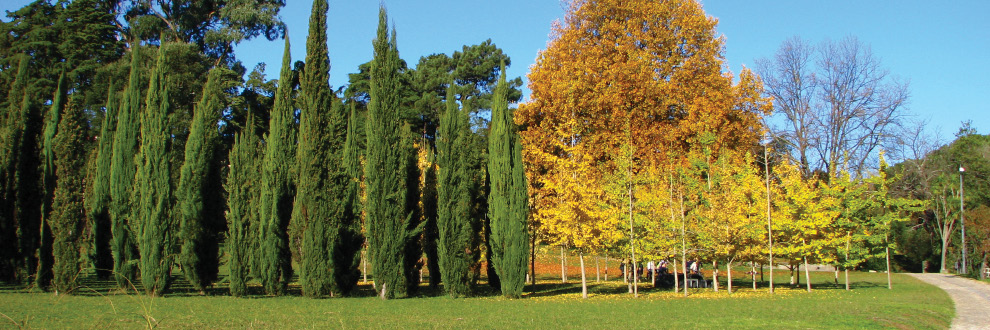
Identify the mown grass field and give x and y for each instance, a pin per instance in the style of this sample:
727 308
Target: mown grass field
551 304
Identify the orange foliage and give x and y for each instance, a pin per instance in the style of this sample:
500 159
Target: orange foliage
654 68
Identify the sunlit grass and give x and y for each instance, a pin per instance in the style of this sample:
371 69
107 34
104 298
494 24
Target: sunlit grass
911 305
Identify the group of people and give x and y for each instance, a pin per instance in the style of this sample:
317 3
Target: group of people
660 271
656 268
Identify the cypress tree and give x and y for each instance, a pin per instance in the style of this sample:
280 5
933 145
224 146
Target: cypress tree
68 212
98 203
43 275
322 133
348 256
199 255
430 233
413 248
11 135
384 170
122 169
243 204
454 201
273 257
154 191
507 199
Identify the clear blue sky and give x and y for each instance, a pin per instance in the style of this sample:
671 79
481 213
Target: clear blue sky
943 50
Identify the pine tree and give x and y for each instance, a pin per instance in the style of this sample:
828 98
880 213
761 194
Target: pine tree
243 204
453 199
68 212
122 169
154 192
272 255
98 203
385 208
43 275
11 135
509 237
348 258
198 178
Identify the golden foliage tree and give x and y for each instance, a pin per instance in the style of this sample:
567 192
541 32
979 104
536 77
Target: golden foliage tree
655 66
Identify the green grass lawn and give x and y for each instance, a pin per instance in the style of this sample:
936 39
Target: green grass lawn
911 305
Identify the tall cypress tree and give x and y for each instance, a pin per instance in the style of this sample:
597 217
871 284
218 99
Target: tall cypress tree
154 191
454 200
11 150
272 254
68 212
384 170
348 256
509 236
413 248
243 203
430 232
198 184
98 203
43 275
122 169
322 131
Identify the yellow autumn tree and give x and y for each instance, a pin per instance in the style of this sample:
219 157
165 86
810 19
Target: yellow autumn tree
655 66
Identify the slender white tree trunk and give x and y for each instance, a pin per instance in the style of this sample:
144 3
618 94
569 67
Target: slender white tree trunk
890 284
598 270
584 281
846 268
807 273
728 272
677 281
715 275
364 266
753 273
563 265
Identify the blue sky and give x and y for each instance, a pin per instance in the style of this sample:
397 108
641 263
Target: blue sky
942 50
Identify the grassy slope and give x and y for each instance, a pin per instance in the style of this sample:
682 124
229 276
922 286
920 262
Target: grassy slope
911 305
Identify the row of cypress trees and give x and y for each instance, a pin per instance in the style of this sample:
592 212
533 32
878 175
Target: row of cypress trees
311 180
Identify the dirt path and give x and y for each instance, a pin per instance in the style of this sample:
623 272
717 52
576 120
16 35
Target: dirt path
972 299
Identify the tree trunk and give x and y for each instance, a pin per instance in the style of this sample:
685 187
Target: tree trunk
563 266
677 281
606 268
364 266
584 281
753 274
532 262
807 273
653 276
890 285
715 275
835 268
846 268
728 273
598 270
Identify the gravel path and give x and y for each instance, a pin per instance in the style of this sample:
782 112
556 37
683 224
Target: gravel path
972 299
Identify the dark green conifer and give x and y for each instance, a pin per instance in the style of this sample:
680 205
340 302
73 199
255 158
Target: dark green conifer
11 142
272 255
348 258
412 263
122 169
323 182
385 210
68 213
43 275
242 202
198 186
98 203
154 191
509 236
454 200
430 232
